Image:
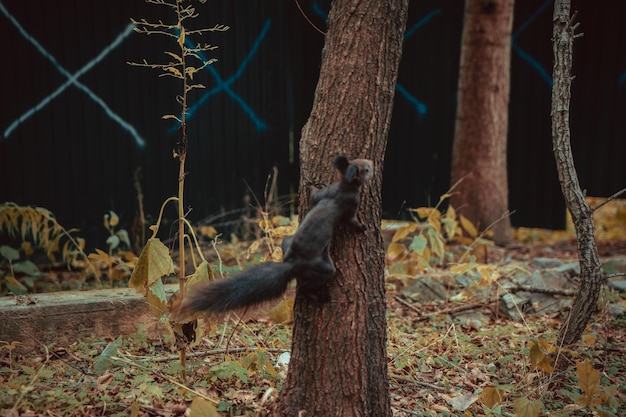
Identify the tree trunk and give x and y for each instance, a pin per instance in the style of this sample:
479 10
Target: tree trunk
479 149
591 277
338 363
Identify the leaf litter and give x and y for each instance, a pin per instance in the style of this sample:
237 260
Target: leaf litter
441 360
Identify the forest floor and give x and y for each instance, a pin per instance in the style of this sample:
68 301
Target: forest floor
463 354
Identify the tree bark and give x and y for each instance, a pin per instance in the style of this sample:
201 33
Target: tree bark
338 364
591 277
480 138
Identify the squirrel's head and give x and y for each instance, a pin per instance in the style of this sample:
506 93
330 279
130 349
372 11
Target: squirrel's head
357 171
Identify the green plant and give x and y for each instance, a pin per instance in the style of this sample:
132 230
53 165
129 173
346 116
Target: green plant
10 263
38 228
119 261
426 241
238 371
155 261
591 396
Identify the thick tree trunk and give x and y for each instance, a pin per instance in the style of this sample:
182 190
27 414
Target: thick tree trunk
591 277
480 138
338 364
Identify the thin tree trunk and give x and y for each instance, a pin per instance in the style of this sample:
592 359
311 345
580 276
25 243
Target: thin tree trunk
480 138
338 365
591 277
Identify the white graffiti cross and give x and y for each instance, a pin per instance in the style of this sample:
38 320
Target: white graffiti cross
72 79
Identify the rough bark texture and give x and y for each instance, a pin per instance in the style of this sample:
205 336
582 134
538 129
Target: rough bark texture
480 138
338 364
591 277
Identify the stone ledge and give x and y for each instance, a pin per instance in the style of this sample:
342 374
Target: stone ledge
61 318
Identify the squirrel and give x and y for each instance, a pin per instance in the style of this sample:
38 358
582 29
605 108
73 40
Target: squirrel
305 253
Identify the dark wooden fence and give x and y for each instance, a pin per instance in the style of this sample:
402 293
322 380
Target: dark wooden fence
77 121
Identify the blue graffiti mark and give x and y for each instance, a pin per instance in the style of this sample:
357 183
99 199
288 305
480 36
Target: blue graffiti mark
72 79
531 19
225 85
621 79
420 107
535 64
421 23
523 54
318 11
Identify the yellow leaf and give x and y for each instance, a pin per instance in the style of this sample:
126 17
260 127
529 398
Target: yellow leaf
450 227
468 226
399 269
527 408
201 274
277 254
539 359
15 286
134 409
395 250
588 378
435 222
425 256
27 247
444 197
280 220
546 346
174 71
208 231
451 213
491 396
436 244
176 57
404 231
283 311
589 339
181 37
462 268
425 212
192 86
153 263
155 300
202 408
102 256
114 220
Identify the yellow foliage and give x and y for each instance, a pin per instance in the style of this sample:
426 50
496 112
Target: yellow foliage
491 396
208 231
153 264
589 383
283 311
610 219
422 243
39 226
527 408
538 354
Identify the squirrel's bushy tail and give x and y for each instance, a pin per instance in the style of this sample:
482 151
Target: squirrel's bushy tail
262 282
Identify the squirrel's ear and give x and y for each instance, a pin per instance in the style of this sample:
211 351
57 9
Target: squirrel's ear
341 163
351 173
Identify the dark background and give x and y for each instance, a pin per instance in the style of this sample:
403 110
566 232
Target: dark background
74 156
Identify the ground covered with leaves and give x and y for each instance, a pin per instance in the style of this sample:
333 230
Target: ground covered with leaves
460 352
439 364
437 367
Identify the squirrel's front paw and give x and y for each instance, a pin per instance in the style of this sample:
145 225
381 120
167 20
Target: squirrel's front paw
358 225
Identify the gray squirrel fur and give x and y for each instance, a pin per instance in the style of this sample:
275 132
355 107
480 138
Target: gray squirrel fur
305 253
